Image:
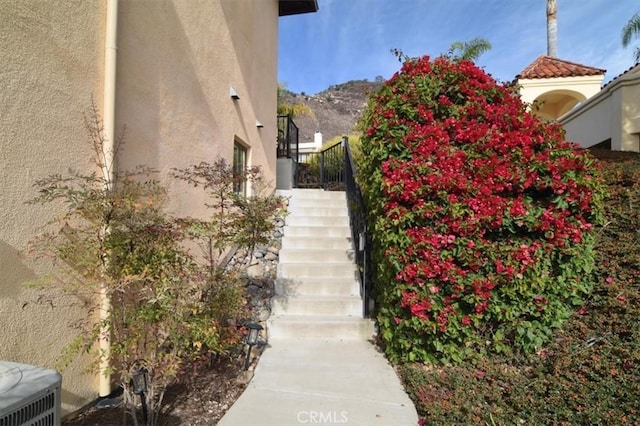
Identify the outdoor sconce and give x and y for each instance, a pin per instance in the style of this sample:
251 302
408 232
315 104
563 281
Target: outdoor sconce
140 385
259 125
252 339
234 95
139 381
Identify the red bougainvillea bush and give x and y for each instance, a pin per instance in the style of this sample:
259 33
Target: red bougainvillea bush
481 214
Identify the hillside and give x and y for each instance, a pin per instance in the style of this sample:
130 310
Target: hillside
336 110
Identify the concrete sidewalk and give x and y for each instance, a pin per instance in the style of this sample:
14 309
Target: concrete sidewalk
322 381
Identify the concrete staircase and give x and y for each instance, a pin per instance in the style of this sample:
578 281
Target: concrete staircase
317 290
319 363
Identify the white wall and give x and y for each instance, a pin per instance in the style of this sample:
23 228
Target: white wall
614 113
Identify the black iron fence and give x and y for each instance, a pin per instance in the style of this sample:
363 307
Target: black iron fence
358 221
324 169
287 137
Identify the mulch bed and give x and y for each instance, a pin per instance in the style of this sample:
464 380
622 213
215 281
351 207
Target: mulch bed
202 400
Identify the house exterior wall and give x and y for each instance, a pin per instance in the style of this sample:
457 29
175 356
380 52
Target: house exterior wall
176 61
595 125
629 110
614 113
51 55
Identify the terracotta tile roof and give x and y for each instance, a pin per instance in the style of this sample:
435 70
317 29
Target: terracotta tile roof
549 67
630 70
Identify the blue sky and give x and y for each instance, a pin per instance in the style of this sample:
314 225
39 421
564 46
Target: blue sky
351 39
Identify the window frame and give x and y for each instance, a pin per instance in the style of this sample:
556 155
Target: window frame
239 167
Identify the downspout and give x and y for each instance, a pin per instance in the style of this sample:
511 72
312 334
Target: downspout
108 112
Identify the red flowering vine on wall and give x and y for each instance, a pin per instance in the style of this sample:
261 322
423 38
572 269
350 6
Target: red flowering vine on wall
481 213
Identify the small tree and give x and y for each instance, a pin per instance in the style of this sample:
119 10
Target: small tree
292 110
468 50
237 221
115 239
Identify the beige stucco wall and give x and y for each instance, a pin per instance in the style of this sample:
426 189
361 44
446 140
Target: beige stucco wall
176 63
51 55
630 115
558 95
614 113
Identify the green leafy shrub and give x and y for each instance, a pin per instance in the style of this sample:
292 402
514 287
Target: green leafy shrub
117 249
237 222
481 215
590 372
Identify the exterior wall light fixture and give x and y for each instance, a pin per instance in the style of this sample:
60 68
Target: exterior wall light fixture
252 340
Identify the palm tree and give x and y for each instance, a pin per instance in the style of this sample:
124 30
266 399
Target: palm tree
468 50
552 28
632 30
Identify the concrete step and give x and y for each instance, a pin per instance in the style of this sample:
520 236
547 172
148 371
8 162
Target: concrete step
335 270
294 220
319 327
317 231
315 255
318 211
318 243
318 286
317 305
318 292
316 203
312 194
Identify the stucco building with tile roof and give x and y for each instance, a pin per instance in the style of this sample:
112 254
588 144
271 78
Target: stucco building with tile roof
554 86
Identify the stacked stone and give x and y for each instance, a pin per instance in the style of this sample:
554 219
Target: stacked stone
261 272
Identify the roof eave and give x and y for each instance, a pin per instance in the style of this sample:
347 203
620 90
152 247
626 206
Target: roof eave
296 7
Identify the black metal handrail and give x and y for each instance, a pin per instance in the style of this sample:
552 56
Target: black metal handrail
287 138
360 234
324 169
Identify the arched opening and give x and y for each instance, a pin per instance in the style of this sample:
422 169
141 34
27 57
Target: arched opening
554 104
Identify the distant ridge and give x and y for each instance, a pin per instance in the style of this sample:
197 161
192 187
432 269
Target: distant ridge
337 109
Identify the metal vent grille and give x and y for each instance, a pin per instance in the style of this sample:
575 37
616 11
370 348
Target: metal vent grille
41 412
29 395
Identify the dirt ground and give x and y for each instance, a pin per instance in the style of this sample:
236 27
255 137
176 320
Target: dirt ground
202 401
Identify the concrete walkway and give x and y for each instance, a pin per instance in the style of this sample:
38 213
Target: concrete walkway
320 368
321 381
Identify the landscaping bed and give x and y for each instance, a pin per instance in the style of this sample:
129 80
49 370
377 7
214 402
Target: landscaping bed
202 400
590 372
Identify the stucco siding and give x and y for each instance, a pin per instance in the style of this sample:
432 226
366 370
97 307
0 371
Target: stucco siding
614 113
177 61
51 54
630 113
592 125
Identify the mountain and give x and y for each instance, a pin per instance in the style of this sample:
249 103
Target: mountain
336 110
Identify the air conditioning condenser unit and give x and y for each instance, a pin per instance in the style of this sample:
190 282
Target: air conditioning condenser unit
29 395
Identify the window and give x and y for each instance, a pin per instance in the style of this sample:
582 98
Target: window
239 169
